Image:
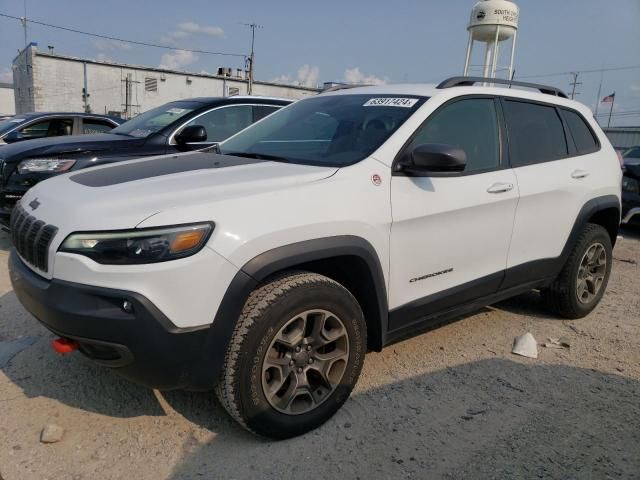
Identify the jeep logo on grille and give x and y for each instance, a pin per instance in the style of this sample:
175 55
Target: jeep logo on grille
34 204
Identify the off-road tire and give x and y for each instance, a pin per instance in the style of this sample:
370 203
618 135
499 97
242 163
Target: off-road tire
561 296
267 309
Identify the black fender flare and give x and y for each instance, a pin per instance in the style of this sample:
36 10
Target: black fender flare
588 210
266 264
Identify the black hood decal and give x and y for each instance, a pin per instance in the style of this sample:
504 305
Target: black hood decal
130 172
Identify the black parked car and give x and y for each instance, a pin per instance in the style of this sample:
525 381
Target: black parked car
29 126
176 126
631 186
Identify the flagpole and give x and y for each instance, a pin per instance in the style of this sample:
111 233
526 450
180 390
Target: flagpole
611 111
598 100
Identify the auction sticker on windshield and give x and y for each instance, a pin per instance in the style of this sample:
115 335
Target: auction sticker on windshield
391 102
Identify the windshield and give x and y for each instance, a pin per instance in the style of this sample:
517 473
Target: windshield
155 119
10 124
332 130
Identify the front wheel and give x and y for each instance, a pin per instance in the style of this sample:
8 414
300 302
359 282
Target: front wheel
584 278
295 355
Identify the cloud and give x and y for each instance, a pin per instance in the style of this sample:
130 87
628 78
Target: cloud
354 75
171 37
191 27
186 29
177 60
308 76
105 45
285 79
103 57
6 75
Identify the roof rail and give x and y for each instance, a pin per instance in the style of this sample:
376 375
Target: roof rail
469 81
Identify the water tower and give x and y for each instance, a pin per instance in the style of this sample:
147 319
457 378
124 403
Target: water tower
492 22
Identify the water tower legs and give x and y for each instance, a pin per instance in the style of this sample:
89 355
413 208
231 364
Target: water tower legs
513 51
469 50
487 60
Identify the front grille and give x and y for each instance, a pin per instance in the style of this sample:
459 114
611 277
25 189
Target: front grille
32 238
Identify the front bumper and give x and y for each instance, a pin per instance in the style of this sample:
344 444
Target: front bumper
142 345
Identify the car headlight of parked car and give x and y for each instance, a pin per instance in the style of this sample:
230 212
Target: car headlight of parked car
45 165
630 185
138 246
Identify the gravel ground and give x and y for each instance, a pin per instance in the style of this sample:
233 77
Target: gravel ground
452 403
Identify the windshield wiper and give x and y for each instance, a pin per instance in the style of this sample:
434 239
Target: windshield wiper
258 156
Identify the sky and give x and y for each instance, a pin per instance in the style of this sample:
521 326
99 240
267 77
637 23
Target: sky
357 41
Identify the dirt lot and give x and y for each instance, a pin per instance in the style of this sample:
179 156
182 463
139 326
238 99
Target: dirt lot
452 403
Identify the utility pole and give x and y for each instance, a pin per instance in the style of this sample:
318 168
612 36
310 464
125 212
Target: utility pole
85 90
251 60
574 84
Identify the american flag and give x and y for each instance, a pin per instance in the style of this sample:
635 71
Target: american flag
609 98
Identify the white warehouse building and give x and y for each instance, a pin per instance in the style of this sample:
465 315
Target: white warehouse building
51 82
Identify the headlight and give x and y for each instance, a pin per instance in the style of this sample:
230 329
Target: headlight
45 165
145 245
630 185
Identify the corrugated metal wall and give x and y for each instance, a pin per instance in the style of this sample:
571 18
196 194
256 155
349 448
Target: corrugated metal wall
623 137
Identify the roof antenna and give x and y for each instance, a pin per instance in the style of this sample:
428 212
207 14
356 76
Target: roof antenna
513 74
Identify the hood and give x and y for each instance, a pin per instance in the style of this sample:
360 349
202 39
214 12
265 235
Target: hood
67 144
122 195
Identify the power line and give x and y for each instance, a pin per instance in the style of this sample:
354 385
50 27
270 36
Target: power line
123 40
594 70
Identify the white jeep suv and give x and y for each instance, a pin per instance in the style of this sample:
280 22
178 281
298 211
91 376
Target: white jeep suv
339 224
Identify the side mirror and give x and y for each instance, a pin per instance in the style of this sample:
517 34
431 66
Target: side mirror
12 137
191 134
435 158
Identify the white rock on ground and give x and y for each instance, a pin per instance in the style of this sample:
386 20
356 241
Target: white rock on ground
51 434
525 345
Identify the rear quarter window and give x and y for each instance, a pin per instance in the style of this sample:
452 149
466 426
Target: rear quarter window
535 131
582 135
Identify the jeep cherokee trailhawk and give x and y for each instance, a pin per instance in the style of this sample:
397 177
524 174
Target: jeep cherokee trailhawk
339 224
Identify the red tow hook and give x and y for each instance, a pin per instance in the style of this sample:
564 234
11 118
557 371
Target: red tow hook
64 345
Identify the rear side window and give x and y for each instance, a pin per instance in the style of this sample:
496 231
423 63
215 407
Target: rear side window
536 133
90 126
580 131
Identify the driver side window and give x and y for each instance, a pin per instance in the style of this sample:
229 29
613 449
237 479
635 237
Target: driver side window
220 123
471 125
48 128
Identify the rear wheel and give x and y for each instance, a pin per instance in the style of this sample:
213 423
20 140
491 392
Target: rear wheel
295 355
584 278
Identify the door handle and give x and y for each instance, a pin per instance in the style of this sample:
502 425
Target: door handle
500 188
578 174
